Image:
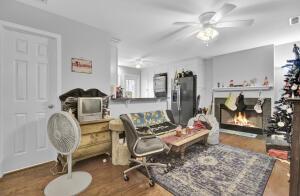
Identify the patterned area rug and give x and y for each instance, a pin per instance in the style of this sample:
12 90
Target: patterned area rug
215 170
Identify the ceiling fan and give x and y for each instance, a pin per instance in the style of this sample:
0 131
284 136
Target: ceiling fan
141 62
209 22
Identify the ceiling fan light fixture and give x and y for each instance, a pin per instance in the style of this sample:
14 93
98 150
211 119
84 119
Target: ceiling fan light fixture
207 34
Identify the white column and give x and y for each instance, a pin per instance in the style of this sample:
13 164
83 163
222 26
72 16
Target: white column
114 61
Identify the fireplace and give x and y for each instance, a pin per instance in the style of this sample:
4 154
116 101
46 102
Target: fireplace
247 121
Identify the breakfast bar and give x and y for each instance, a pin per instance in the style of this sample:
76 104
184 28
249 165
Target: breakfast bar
132 105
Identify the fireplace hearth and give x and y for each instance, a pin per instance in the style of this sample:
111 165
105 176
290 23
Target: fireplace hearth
247 121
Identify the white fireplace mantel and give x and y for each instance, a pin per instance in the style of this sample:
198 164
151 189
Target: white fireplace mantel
250 88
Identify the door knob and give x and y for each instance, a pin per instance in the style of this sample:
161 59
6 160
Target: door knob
50 106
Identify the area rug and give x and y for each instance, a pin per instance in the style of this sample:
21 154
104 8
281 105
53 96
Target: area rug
215 170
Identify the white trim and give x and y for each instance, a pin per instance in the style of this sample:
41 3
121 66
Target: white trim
57 37
1 102
23 168
250 88
29 29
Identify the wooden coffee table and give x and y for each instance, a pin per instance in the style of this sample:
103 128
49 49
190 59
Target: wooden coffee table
179 144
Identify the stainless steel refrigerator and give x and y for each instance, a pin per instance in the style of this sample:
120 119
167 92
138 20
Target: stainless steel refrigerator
183 100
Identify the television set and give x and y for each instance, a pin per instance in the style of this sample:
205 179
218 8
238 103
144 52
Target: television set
160 85
90 109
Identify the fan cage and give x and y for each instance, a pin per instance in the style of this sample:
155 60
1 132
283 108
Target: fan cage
64 132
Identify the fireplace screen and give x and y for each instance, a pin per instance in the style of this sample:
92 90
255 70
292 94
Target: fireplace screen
248 120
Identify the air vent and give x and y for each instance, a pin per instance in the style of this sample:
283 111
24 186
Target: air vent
294 20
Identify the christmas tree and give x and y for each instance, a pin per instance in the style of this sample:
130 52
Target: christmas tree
281 121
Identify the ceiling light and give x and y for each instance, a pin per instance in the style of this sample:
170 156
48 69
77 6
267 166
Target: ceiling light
138 66
207 34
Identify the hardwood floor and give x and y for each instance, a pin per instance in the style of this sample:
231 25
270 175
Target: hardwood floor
107 179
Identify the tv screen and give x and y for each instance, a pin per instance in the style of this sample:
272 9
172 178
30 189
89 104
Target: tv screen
160 84
91 106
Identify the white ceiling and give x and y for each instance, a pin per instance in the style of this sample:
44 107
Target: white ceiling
142 25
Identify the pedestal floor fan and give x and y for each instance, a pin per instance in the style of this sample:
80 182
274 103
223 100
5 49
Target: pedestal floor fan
64 133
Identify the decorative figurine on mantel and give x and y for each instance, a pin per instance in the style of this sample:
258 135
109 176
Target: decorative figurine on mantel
253 82
246 83
231 84
266 81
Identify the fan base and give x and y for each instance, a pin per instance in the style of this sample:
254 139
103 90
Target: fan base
64 186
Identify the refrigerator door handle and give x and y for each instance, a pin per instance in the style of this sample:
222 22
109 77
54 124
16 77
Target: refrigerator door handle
178 98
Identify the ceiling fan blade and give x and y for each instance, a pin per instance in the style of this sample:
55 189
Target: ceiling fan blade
172 35
189 33
187 23
192 34
236 23
225 9
147 61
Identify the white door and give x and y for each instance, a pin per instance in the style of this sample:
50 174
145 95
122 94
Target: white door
28 98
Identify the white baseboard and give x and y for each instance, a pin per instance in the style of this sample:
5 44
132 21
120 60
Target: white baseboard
8 172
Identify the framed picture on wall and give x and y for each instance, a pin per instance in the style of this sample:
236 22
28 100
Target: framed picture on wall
80 65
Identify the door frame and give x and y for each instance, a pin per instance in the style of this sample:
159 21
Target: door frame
17 27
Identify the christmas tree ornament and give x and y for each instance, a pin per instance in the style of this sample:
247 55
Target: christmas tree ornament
294 87
289 110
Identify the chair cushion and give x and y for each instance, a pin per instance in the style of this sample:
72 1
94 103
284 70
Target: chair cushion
149 145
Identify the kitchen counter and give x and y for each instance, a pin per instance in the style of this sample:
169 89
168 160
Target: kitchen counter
133 105
146 99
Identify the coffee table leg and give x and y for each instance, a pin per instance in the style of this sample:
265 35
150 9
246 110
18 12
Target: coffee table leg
182 150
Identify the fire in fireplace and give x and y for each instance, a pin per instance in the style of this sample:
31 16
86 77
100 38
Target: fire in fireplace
240 119
247 121
257 121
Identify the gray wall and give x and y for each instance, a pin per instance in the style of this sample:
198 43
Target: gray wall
194 64
245 65
78 40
